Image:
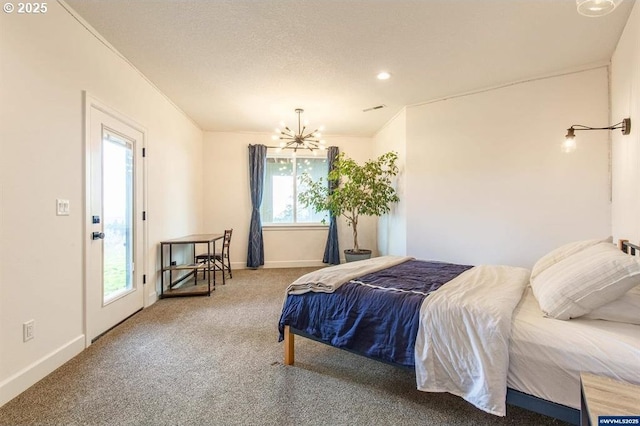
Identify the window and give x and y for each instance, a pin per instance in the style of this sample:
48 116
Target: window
281 188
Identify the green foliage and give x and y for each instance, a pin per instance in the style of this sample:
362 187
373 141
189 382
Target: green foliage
357 189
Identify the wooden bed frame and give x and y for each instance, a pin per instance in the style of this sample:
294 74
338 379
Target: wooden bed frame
514 397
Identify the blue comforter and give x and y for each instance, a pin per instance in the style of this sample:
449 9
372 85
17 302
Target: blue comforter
375 315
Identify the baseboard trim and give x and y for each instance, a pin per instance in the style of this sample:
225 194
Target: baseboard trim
152 297
283 264
294 264
30 375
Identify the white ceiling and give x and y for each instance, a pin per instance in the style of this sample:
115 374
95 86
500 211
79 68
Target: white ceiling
245 65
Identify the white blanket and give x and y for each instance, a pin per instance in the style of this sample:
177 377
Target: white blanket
463 336
328 280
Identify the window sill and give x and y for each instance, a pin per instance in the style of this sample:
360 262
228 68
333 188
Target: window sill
295 227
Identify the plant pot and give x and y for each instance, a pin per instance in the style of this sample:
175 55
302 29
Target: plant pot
352 256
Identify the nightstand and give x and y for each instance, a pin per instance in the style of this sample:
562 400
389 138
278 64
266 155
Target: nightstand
602 396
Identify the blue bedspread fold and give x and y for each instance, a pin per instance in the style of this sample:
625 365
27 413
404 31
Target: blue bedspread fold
376 314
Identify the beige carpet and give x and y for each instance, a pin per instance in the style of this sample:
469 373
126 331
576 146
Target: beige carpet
216 361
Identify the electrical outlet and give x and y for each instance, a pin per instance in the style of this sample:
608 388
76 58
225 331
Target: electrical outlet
28 330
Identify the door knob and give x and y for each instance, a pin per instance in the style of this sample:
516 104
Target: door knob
97 235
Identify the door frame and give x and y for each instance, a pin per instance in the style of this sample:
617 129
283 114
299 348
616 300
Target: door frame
92 102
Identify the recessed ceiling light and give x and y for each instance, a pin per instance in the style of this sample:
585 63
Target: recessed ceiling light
595 8
383 75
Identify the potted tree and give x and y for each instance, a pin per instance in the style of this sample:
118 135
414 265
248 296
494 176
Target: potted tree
357 190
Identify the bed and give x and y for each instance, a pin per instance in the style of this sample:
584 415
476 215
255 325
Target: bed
430 317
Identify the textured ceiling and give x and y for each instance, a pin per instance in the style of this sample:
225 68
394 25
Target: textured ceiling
245 65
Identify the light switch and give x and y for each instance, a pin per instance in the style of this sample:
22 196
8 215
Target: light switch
62 207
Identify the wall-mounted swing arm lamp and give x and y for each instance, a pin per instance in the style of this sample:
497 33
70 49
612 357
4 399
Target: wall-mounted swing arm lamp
569 144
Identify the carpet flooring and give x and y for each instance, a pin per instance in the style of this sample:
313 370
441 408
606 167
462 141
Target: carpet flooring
216 361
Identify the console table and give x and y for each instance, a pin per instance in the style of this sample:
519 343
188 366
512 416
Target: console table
192 268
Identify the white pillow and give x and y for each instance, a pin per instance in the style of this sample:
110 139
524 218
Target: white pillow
625 309
562 252
585 281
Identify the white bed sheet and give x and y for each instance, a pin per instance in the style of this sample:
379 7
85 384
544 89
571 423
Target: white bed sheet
462 346
546 356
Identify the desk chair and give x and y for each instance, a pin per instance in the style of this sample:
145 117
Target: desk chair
219 261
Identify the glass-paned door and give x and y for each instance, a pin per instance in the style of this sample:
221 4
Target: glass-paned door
117 201
115 227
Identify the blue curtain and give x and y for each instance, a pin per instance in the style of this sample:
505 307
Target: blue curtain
257 162
331 250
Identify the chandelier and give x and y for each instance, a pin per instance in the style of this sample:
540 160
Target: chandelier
302 139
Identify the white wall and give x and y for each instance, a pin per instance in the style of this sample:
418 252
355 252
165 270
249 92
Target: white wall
227 203
625 102
392 227
486 181
47 63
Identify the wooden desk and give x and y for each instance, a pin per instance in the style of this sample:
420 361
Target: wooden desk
602 396
191 268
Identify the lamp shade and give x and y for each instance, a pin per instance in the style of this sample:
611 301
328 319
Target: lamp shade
595 8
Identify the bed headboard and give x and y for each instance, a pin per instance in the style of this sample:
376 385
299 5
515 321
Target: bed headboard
627 247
